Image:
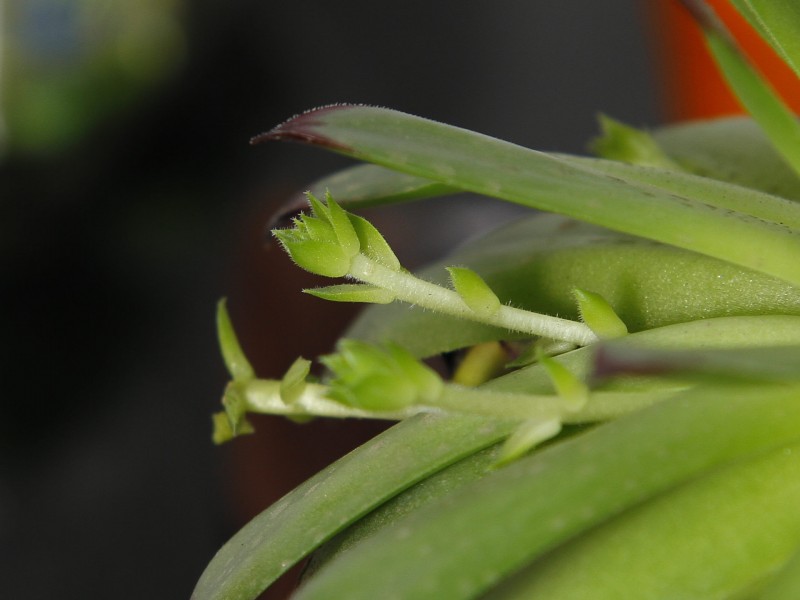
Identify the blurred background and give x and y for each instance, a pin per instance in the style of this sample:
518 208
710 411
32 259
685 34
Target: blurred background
130 202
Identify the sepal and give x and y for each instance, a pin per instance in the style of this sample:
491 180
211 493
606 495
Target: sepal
379 378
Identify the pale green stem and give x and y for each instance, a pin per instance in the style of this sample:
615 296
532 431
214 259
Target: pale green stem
504 405
263 396
411 289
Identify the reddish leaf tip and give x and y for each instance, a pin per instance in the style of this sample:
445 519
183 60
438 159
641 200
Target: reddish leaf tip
304 128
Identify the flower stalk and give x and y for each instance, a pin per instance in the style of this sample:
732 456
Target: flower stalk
334 243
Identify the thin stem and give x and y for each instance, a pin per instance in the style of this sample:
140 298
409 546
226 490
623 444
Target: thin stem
506 405
263 396
411 289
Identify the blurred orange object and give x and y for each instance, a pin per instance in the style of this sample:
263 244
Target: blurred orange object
693 88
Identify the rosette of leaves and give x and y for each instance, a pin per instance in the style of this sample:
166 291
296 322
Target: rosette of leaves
655 455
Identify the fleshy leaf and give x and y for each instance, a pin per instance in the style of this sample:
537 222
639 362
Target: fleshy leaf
474 291
776 363
516 514
785 584
291 528
363 186
492 167
752 501
731 149
535 263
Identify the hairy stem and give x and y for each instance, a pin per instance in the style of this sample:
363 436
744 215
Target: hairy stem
408 288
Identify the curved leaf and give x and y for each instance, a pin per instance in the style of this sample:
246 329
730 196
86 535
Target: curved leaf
492 167
461 545
752 90
701 540
291 528
536 263
732 149
778 22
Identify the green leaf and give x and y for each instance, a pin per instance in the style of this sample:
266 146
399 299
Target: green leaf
535 263
513 515
449 479
630 145
718 536
778 22
771 363
238 366
745 335
363 186
495 168
785 585
473 291
752 90
352 292
718 194
733 149
325 504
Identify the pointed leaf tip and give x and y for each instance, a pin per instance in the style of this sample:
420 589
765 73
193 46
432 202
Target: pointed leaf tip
235 360
598 314
474 291
305 128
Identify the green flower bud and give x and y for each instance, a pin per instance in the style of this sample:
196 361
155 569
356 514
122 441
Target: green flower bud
323 242
375 378
318 257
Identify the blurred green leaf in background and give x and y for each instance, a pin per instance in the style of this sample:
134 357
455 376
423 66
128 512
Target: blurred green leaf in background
67 65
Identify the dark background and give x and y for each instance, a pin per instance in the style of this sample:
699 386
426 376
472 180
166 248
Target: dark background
115 247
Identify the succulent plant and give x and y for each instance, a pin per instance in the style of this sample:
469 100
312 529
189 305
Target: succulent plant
625 422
